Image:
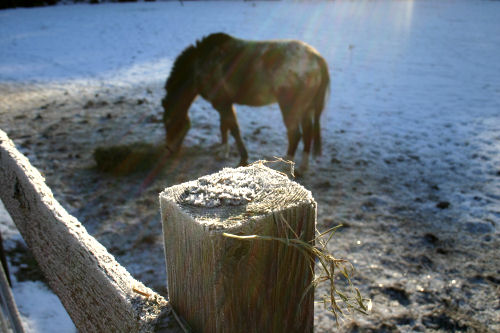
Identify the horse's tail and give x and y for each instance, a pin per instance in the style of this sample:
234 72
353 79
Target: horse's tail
319 105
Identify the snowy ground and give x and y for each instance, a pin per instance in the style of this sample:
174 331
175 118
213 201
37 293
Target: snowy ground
411 161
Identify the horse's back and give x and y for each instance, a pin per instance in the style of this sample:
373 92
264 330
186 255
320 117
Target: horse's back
255 72
294 63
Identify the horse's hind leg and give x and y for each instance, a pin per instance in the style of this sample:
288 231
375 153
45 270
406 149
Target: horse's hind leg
230 122
292 122
307 137
293 133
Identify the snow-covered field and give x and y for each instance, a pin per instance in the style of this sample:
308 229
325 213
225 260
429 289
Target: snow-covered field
411 161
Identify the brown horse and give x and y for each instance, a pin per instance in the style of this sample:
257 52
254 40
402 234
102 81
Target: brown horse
225 70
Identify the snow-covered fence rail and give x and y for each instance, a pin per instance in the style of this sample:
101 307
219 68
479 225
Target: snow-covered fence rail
98 293
233 264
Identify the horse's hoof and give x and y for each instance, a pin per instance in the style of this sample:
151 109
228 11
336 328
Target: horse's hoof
221 152
243 163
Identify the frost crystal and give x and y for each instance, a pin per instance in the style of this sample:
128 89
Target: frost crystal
228 187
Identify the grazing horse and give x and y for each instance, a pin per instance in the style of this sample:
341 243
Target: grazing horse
225 70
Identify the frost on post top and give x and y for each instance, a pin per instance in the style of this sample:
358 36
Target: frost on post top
234 196
230 187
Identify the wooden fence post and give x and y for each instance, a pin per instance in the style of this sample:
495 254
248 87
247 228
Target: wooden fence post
222 284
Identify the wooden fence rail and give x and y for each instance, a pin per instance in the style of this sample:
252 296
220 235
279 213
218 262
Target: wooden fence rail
98 293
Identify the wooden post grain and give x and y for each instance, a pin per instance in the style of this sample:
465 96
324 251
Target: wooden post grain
222 284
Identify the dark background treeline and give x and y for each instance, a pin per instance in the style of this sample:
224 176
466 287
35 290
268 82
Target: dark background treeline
37 3
26 3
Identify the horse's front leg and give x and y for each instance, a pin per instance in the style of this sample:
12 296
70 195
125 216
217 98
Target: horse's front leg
224 129
230 122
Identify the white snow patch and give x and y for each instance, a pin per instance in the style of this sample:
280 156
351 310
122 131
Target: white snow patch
40 309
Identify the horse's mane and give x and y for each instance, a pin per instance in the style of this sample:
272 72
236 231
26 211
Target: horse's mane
213 40
183 67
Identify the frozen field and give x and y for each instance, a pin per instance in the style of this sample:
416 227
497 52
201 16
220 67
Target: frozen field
411 159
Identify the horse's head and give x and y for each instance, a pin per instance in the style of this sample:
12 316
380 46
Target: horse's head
176 121
181 91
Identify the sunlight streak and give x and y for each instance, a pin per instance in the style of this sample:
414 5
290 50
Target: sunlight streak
406 18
